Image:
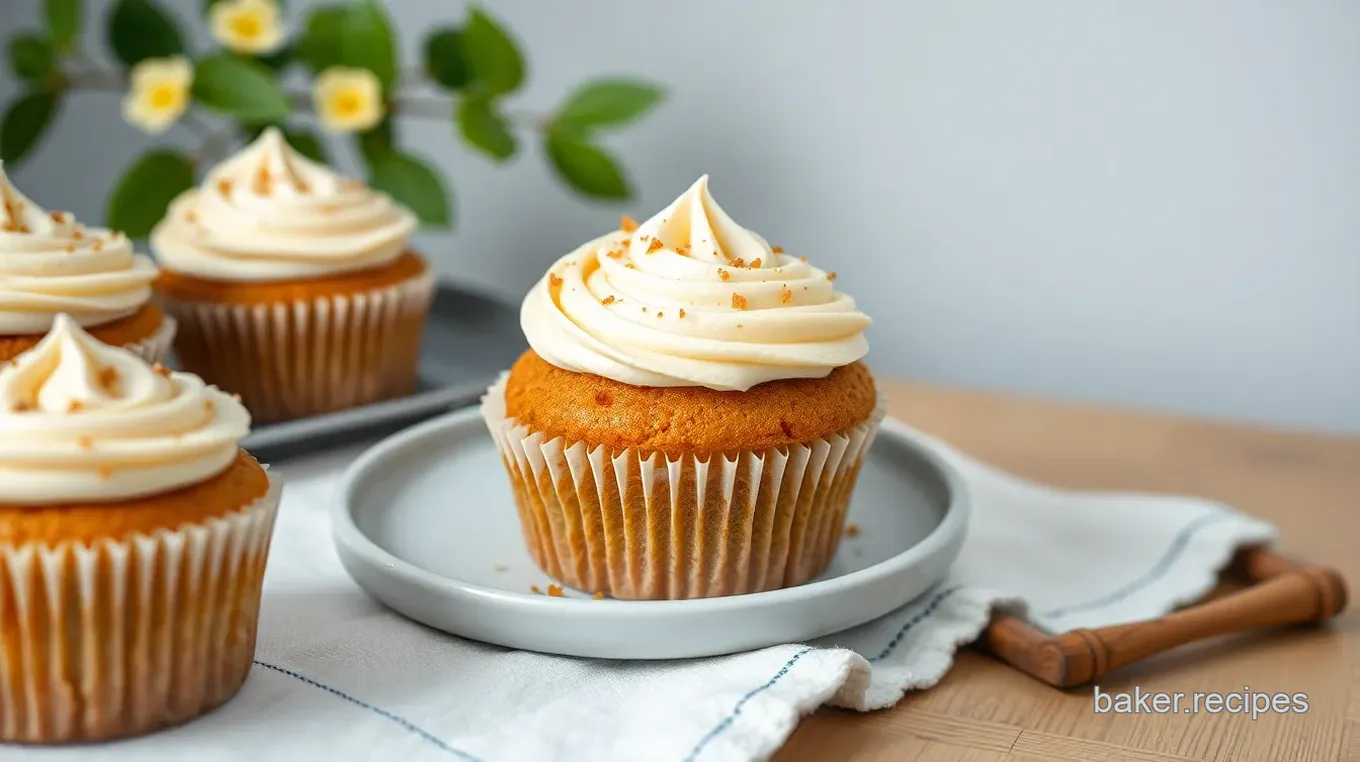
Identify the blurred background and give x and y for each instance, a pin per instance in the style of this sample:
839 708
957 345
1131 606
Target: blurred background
1153 204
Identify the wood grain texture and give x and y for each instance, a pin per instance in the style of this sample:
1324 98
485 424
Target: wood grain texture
1306 484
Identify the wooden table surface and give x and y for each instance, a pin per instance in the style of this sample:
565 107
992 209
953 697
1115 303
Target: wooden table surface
984 711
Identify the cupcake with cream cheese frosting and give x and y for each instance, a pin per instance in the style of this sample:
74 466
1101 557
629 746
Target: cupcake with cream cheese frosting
294 286
692 413
133 537
50 263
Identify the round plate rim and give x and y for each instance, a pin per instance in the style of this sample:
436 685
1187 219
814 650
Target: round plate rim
348 537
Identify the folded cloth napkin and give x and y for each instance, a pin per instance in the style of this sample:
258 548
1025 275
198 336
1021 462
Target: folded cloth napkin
338 677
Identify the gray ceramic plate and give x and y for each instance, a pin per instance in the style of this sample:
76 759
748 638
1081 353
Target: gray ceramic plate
424 521
469 340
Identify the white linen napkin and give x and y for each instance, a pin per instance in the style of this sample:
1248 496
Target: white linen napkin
339 677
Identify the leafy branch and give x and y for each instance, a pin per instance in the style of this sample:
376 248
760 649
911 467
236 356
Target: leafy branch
350 51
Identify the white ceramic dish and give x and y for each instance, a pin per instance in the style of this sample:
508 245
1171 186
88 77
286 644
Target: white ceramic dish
425 522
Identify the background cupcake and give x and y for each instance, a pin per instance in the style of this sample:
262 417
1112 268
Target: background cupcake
133 538
692 414
50 264
293 286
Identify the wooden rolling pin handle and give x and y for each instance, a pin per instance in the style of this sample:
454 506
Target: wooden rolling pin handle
1289 594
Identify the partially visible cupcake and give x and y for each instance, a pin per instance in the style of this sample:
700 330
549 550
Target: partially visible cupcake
133 537
692 414
294 287
50 264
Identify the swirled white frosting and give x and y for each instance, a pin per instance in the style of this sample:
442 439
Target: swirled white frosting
50 263
81 421
690 298
270 214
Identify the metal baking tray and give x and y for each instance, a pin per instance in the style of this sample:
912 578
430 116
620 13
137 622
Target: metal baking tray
469 339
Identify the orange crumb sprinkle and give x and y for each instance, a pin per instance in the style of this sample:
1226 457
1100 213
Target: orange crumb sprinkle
655 246
661 314
608 300
630 265
738 302
554 281
20 407
626 242
627 224
786 295
755 263
534 589
85 443
105 472
615 254
777 249
683 250
738 262
555 591
831 276
108 376
161 370
852 530
57 216
723 274
224 186
208 405
802 259
70 248
74 406
76 234
682 312
598 596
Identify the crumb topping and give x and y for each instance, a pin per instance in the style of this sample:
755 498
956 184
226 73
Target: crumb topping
627 224
738 302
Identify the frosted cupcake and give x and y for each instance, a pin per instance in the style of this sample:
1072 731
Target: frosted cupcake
692 414
294 287
133 538
50 263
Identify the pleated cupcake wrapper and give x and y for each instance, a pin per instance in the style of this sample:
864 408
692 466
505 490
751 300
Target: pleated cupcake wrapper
156 347
296 359
638 525
118 638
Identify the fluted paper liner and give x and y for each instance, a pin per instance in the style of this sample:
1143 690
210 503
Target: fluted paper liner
156 347
300 358
637 525
119 638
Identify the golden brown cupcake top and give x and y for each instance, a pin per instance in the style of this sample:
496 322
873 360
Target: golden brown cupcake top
583 407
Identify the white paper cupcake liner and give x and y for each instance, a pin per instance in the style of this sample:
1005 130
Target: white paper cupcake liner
156 347
119 638
296 359
637 525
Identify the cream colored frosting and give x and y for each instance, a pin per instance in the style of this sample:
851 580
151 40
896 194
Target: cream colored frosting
691 298
50 263
270 214
81 421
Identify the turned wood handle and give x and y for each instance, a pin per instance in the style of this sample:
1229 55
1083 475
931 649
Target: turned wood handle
1285 593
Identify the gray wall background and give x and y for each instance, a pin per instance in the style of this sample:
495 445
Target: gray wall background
1153 203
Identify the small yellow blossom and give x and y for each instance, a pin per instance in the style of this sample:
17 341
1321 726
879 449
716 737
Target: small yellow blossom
252 27
348 100
159 93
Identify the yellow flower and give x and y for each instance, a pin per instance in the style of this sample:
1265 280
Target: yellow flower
348 100
252 27
159 94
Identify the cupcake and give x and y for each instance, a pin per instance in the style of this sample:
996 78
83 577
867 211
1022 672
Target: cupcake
133 537
692 413
50 264
293 286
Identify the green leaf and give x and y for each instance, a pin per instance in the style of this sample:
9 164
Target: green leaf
377 142
24 123
31 57
208 4
366 41
63 22
307 143
139 29
319 44
445 61
495 61
245 89
607 102
413 183
585 166
484 129
140 199
279 59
